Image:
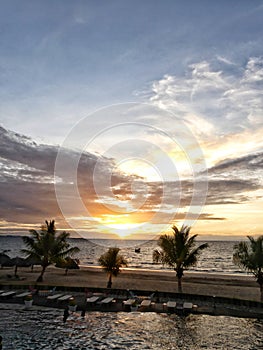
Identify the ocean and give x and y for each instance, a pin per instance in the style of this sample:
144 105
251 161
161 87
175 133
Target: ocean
217 258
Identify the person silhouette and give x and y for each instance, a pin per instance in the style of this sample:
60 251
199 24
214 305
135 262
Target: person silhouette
66 314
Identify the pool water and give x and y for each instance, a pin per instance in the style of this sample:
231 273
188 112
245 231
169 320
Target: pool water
44 329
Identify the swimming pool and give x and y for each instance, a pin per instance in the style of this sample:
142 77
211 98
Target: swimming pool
44 329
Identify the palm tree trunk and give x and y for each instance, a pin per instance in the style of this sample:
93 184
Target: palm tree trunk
16 271
40 278
261 292
179 281
179 275
109 281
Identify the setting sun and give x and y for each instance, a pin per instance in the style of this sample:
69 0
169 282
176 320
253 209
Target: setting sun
124 230
119 225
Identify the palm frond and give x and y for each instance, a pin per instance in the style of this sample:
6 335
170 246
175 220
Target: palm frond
249 256
111 261
178 250
47 246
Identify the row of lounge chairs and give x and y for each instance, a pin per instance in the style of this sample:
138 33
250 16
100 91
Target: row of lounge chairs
22 294
11 293
133 302
179 307
130 302
100 300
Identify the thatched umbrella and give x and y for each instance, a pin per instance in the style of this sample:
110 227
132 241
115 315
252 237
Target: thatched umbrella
68 264
31 260
19 262
5 260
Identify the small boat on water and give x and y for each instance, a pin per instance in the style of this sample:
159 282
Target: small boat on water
137 250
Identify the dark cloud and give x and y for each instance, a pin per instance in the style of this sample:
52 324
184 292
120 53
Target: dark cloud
233 180
21 149
230 191
220 191
28 193
206 216
27 178
249 162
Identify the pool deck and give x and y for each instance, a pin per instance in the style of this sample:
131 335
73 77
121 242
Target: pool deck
143 304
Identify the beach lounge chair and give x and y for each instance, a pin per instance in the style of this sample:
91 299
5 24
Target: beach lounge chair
64 297
128 304
92 300
171 305
146 303
187 306
54 297
8 294
22 295
106 302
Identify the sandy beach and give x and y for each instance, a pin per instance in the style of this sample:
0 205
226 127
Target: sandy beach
232 286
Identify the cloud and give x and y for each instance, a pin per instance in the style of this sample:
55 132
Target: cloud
27 178
230 191
214 97
221 190
252 162
28 194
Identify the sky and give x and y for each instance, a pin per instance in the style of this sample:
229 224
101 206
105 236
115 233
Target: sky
122 118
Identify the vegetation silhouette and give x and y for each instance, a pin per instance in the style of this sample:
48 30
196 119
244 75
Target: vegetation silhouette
19 262
178 251
249 256
68 263
111 262
47 246
5 259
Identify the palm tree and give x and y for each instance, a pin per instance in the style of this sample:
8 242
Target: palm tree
249 255
111 262
68 264
178 251
47 247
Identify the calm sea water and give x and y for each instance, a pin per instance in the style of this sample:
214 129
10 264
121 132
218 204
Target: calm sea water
217 258
134 331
